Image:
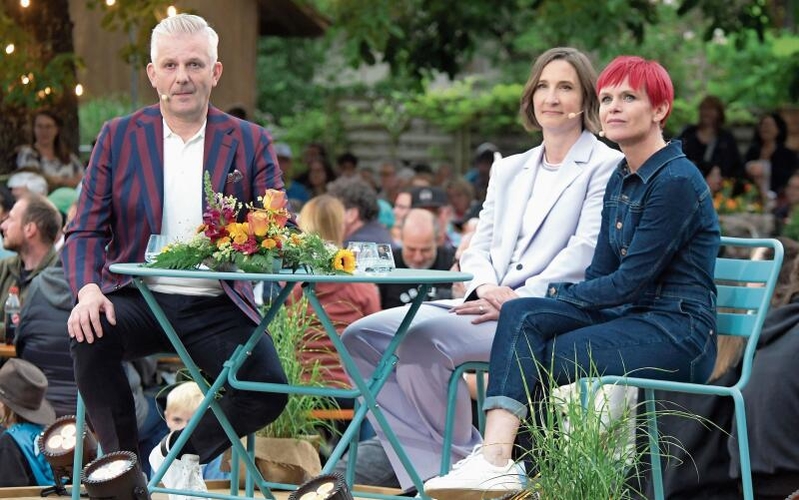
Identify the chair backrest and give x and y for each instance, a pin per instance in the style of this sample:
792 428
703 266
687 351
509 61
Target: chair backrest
745 288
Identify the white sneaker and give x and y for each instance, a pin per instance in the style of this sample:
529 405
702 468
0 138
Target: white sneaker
183 474
474 477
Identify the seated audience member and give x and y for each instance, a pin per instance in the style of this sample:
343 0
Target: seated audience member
29 230
390 182
420 250
652 281
347 164
21 183
181 403
434 199
24 413
317 177
48 154
787 203
402 205
344 303
460 196
511 255
485 156
768 153
708 142
361 211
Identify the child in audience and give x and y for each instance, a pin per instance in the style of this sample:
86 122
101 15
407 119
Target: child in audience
181 403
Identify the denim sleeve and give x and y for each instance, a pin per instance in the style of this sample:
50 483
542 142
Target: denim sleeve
605 260
669 218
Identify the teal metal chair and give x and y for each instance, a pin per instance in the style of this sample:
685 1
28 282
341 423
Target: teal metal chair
745 288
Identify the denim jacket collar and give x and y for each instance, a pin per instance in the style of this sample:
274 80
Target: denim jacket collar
669 152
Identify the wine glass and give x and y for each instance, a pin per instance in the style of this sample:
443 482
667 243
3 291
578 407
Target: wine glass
154 246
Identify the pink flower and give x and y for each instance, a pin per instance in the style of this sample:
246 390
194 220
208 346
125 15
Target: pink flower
274 199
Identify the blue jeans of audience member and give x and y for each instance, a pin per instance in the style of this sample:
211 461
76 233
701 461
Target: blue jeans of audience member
659 337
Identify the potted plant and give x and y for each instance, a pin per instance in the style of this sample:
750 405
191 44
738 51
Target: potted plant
287 450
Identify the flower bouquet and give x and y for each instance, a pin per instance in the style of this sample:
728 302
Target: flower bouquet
261 243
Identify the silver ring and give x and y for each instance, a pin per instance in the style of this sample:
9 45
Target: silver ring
480 308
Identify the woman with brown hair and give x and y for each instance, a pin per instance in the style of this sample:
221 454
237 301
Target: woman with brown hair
708 142
48 154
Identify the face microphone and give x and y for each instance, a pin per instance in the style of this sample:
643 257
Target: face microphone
165 97
574 115
601 133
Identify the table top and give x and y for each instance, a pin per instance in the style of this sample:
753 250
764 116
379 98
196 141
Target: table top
420 276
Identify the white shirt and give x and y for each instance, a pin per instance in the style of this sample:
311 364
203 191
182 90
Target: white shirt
543 184
183 206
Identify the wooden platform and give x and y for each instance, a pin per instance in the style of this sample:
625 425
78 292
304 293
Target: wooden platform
33 493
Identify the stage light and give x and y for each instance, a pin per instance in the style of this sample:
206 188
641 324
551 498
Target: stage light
116 475
324 487
57 445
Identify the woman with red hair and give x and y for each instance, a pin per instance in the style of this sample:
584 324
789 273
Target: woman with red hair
648 300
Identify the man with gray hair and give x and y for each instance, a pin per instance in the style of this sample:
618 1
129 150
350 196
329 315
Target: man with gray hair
145 177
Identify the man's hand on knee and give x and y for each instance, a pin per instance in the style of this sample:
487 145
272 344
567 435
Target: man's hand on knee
84 320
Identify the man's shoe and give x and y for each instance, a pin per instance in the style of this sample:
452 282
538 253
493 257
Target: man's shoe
183 474
474 477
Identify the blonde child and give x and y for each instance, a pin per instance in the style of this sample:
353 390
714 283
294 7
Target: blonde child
181 403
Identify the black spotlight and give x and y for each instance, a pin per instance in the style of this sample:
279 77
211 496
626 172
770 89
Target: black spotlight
324 487
115 476
57 444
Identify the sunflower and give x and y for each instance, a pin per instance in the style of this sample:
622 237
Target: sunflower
344 260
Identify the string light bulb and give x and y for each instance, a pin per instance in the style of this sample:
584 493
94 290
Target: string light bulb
171 11
24 3
79 90
48 90
24 79
110 3
10 48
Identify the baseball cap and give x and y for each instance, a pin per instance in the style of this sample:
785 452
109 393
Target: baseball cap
428 197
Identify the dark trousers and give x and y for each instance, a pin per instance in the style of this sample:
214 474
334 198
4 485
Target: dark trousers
210 328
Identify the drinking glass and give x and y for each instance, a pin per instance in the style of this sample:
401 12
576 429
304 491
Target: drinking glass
385 259
154 246
365 253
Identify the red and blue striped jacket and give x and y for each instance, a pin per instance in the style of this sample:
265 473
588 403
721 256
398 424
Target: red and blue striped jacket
122 193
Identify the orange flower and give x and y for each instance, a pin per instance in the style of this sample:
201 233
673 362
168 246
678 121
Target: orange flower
268 243
239 232
344 260
259 223
274 199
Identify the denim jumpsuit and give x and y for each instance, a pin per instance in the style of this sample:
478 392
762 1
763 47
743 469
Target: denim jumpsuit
647 305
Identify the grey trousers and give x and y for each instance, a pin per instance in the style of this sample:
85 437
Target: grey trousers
414 398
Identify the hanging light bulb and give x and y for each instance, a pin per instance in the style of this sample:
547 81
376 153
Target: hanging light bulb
9 48
110 3
25 3
48 90
171 11
24 79
79 90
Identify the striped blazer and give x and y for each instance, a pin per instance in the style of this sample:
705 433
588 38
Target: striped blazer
122 193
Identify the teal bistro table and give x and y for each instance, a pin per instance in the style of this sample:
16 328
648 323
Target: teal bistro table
365 391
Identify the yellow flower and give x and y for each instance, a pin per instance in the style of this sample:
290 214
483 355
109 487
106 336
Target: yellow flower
296 239
268 243
239 232
344 261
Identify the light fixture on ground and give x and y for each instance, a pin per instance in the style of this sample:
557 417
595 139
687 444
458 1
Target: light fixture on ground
57 444
117 476
324 487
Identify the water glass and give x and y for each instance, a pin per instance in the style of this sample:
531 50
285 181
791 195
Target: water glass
385 259
366 256
154 246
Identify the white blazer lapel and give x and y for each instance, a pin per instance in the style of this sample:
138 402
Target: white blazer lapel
570 169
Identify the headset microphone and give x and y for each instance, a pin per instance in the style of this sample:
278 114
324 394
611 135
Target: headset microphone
165 97
574 115
601 133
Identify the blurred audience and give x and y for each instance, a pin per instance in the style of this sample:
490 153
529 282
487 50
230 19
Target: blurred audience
485 156
21 183
767 155
420 250
347 164
317 177
343 303
434 199
48 154
296 192
708 142
362 209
